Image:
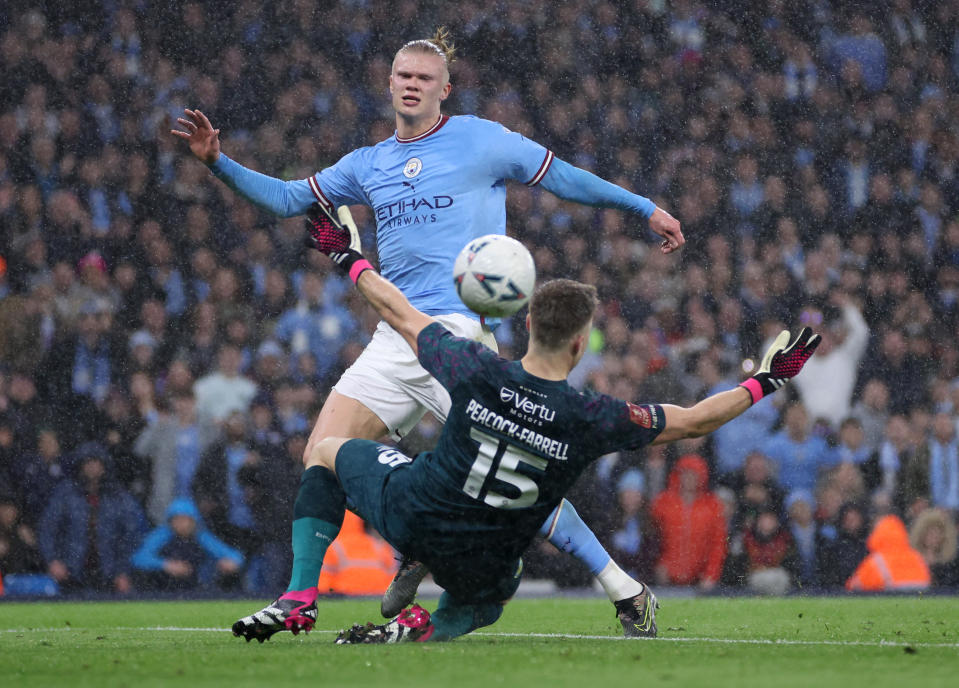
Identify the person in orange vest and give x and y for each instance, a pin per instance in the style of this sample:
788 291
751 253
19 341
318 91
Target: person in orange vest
357 563
892 563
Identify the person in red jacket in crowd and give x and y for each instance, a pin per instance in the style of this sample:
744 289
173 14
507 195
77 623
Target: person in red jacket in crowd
692 527
892 563
357 563
770 552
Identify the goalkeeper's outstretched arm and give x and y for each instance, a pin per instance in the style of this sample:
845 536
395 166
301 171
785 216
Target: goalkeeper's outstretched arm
392 306
782 362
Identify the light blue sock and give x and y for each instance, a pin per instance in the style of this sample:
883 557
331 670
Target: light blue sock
451 620
566 531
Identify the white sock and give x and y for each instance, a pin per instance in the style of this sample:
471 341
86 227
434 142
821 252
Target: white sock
617 583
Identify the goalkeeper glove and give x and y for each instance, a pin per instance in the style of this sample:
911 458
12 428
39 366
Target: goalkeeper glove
336 237
782 362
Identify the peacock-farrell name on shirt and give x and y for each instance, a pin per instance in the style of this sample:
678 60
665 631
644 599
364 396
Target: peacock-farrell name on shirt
546 446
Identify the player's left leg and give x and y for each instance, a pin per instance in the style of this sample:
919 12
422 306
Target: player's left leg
634 601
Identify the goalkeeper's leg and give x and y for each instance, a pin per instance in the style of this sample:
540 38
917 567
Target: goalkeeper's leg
453 619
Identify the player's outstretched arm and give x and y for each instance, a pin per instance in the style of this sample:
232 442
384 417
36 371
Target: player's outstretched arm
574 184
782 362
285 199
338 238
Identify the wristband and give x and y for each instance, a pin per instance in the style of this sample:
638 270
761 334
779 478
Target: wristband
358 268
754 387
352 263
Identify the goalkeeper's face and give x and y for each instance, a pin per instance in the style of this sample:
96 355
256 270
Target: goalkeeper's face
419 83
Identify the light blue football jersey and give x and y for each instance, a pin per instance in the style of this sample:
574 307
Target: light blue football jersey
431 195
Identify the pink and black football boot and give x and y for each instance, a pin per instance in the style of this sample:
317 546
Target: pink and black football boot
411 625
292 611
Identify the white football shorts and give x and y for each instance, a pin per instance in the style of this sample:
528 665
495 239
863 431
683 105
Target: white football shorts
389 380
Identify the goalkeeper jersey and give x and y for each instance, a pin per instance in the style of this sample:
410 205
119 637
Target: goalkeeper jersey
512 447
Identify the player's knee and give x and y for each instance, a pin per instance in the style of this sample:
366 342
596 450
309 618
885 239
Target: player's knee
323 453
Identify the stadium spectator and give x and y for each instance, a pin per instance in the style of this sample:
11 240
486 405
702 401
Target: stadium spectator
943 449
805 533
26 325
18 542
898 450
770 553
901 370
861 50
269 479
90 527
316 324
634 542
224 391
692 528
79 370
754 487
219 494
852 447
182 555
38 473
826 388
933 535
174 443
734 565
843 546
797 454
25 408
892 563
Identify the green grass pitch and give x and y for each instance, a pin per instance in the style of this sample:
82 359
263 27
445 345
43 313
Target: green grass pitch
774 643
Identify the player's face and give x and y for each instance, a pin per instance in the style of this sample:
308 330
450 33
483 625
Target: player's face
419 83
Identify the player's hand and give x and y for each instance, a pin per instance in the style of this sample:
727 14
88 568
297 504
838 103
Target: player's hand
336 236
782 362
204 140
326 234
667 226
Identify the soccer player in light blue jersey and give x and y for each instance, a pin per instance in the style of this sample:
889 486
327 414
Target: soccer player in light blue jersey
436 184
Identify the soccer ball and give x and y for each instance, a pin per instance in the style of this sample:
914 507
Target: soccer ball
494 275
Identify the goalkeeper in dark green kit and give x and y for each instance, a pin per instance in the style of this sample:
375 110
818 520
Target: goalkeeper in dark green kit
516 439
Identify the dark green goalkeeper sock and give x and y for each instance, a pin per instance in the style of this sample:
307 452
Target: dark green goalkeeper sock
317 517
451 620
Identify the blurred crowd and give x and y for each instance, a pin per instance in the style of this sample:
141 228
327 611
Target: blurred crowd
165 345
